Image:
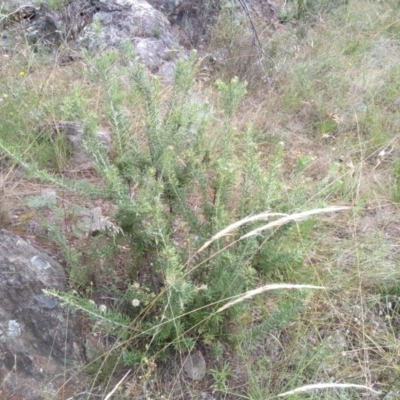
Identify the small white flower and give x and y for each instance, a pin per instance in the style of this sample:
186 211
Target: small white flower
103 308
135 302
135 285
92 302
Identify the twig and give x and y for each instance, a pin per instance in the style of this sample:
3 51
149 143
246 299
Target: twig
257 40
14 12
116 386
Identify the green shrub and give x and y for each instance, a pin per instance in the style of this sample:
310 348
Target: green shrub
181 175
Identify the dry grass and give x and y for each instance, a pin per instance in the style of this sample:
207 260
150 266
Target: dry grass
326 386
267 215
255 292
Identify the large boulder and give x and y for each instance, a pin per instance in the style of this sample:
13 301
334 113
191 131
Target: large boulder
148 29
40 26
37 346
157 28
154 41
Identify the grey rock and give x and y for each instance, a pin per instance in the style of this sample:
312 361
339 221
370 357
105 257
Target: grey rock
119 20
135 20
43 28
37 344
161 31
94 222
94 346
157 28
195 366
41 24
73 135
167 7
167 72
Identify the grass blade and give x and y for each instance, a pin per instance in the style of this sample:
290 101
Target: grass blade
306 388
294 217
252 293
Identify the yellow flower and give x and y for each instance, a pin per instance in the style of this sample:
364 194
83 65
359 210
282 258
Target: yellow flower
22 73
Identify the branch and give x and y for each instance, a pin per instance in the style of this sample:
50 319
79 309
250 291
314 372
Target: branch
257 40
